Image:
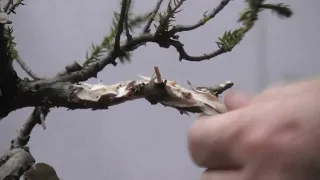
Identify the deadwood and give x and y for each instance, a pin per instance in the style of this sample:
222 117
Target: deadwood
100 96
68 90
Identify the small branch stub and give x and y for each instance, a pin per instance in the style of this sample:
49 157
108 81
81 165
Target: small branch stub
158 75
4 18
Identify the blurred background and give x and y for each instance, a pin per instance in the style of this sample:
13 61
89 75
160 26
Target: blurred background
135 140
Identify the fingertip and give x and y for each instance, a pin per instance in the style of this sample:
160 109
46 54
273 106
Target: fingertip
211 140
198 141
235 100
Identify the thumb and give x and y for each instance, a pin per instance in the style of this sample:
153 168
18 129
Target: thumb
235 100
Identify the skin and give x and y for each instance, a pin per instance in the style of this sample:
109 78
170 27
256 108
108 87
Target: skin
273 135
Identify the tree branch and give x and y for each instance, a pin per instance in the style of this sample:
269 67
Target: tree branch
14 6
146 29
184 55
91 70
126 25
120 25
7 4
99 96
64 89
26 68
23 135
15 162
164 39
203 21
18 159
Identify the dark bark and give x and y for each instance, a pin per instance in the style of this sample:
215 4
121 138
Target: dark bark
8 77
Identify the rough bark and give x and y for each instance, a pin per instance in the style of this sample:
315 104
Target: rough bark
14 163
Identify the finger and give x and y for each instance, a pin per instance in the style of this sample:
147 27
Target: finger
211 141
222 175
286 90
235 100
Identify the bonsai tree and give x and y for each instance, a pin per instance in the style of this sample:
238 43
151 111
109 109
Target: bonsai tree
68 89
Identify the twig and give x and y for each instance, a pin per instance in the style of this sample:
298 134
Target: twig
129 36
180 28
165 21
178 5
146 29
92 70
7 5
184 55
43 116
120 26
26 68
158 75
14 6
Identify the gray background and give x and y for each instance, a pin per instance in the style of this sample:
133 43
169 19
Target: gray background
134 140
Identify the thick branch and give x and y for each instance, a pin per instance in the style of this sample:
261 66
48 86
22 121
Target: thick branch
14 163
23 135
99 96
39 114
18 159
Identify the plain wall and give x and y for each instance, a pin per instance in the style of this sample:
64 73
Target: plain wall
136 140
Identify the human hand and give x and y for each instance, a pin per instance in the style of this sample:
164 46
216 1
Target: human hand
272 136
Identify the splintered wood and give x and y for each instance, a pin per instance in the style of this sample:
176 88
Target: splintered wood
202 100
